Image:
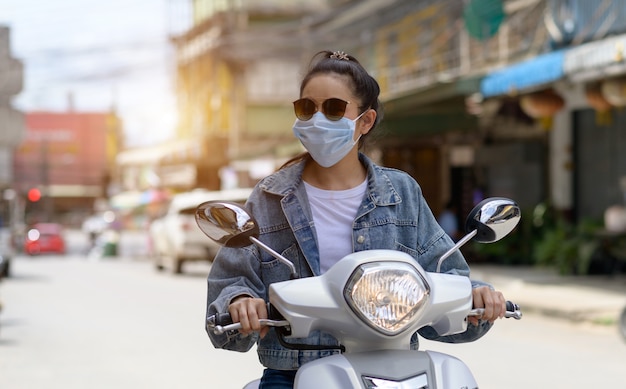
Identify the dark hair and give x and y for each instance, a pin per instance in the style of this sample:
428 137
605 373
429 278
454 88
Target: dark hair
362 85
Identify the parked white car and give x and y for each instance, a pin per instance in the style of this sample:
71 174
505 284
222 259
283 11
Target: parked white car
176 238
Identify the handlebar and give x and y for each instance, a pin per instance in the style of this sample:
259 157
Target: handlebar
222 322
220 329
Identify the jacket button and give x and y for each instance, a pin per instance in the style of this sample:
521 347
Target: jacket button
360 239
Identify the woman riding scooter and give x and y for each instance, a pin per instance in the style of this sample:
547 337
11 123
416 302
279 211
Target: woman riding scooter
322 205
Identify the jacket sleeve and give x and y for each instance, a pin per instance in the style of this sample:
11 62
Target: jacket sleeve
234 272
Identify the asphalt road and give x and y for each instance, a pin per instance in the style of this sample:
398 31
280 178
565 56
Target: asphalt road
73 322
76 323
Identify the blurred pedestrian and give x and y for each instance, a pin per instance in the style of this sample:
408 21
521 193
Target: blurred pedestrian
449 221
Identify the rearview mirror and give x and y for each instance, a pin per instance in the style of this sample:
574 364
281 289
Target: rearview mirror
493 219
230 225
490 220
226 223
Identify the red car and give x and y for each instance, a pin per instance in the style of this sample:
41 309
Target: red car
45 238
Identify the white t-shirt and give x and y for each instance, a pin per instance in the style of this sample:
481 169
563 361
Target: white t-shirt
334 212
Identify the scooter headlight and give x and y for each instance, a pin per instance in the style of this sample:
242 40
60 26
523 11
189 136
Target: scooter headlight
386 295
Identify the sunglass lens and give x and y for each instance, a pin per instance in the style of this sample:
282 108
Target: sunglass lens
304 109
334 109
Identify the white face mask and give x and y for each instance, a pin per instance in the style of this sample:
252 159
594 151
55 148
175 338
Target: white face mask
326 140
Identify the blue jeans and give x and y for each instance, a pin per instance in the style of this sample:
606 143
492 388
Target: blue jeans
277 379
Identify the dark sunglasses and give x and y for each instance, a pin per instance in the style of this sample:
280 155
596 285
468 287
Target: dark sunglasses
333 108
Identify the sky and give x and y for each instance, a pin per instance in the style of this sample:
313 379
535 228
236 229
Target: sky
98 55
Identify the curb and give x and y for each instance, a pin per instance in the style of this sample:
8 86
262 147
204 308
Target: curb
594 300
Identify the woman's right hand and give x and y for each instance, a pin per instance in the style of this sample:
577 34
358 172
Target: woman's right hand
247 311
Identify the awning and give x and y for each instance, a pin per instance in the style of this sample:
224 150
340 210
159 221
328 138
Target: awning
596 60
436 93
533 73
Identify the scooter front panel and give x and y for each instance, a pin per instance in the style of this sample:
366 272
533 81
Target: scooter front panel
451 371
407 369
334 373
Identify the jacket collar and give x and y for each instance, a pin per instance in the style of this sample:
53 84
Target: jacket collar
381 190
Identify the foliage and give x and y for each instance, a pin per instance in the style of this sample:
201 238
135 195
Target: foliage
544 238
567 246
514 249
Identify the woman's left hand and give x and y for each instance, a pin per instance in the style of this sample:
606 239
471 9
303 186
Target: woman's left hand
491 300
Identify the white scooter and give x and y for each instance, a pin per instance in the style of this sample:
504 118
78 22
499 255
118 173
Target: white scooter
371 302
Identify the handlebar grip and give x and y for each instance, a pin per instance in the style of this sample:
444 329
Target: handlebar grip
513 310
223 319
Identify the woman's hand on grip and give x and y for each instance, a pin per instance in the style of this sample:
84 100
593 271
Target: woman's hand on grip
491 300
247 311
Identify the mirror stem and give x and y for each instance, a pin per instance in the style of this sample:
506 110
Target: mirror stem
458 244
274 254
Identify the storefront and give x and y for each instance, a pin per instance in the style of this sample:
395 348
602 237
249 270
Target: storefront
598 136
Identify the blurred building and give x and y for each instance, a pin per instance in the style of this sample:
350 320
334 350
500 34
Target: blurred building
517 98
237 72
239 67
573 86
11 128
65 163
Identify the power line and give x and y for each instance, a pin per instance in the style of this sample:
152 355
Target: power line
102 49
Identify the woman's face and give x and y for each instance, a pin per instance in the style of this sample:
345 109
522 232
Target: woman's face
331 85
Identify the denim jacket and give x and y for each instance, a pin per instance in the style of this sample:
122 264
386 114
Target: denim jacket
393 215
